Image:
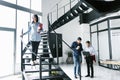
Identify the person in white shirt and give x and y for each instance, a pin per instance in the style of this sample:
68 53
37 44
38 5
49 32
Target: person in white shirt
90 59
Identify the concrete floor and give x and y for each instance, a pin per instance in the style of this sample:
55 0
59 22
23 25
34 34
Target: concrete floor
100 73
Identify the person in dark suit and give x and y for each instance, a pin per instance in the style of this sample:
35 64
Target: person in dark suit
90 59
77 48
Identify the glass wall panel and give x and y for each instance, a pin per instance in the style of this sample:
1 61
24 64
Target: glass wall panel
22 23
103 45
93 28
103 25
115 23
36 5
95 44
7 16
11 1
24 3
115 40
7 53
94 41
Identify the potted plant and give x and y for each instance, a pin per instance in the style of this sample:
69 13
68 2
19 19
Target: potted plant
69 59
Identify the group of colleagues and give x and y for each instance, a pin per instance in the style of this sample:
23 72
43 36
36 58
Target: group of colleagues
77 57
36 28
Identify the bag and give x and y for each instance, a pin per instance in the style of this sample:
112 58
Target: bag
40 26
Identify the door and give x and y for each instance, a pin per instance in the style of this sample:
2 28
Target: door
7 41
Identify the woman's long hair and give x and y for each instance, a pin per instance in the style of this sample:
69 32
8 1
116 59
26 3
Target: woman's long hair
37 18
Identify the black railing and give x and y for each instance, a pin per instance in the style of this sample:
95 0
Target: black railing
24 76
63 8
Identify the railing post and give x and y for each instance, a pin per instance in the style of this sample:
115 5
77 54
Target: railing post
70 4
40 67
57 54
22 61
64 9
57 11
51 17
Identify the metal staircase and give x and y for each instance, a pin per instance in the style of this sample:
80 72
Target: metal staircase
75 11
46 69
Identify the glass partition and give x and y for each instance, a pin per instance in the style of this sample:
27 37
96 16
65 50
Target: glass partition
7 16
115 41
114 23
103 25
103 45
11 1
24 3
36 5
22 23
93 28
7 53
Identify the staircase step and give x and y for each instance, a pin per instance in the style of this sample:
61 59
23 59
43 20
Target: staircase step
43 44
40 53
43 63
43 48
79 11
44 35
46 58
28 64
49 64
52 77
44 41
32 71
48 70
84 7
43 70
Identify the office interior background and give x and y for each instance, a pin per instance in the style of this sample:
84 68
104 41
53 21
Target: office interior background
103 32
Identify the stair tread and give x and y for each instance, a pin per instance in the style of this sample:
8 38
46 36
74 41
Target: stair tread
46 58
43 70
46 70
43 63
31 71
39 53
52 77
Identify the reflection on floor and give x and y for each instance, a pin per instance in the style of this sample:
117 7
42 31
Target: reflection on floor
100 73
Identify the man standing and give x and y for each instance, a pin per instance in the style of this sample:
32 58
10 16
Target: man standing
77 48
90 59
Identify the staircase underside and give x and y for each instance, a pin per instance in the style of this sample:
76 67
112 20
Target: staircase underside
99 9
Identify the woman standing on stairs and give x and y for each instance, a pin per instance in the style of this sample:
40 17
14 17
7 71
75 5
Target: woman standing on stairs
34 29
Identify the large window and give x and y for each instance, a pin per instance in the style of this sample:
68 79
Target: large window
13 20
22 23
24 3
114 23
7 16
103 45
115 40
11 1
36 5
7 53
103 25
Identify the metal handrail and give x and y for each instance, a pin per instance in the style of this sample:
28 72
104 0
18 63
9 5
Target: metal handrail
24 76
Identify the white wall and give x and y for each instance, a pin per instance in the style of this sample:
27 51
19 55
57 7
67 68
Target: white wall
71 31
